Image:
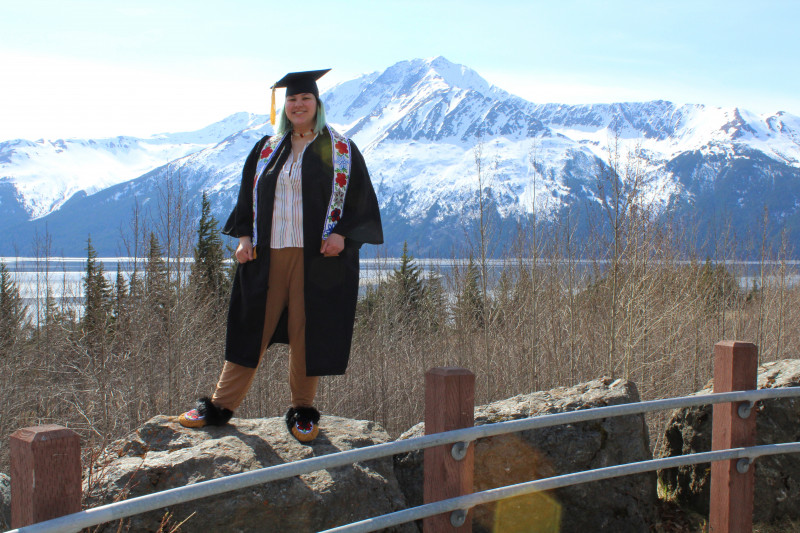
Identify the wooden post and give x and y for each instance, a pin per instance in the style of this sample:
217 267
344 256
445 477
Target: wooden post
45 474
449 404
735 369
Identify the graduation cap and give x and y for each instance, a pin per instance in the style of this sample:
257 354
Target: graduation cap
296 83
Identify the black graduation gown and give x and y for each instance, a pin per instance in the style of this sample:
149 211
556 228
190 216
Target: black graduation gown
331 283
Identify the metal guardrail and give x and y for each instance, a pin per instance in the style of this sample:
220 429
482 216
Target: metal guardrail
115 511
555 482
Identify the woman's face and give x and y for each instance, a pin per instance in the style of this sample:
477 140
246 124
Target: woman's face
301 110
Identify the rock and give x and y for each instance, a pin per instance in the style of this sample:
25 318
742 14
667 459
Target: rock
5 502
161 455
624 504
777 490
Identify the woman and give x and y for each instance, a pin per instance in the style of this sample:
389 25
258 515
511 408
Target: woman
305 207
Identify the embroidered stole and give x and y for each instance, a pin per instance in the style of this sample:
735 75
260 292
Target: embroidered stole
340 150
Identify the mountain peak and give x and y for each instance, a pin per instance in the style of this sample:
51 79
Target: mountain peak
220 129
374 102
440 72
461 76
417 124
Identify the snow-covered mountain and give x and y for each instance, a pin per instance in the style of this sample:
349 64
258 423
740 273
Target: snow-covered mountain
428 129
46 173
419 122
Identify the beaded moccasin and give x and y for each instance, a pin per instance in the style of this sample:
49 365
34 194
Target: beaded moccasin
303 423
205 414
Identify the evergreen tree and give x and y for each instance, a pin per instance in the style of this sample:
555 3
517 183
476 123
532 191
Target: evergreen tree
120 294
156 282
470 298
503 297
408 281
56 321
135 286
13 312
97 293
435 300
209 275
717 285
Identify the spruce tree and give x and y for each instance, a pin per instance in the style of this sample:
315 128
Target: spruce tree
97 293
408 281
503 297
135 287
209 276
13 312
120 294
470 298
156 282
435 301
716 285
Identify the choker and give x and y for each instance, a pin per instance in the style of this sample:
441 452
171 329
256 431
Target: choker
301 135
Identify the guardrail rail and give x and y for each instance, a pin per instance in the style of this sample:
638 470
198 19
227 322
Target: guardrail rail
448 448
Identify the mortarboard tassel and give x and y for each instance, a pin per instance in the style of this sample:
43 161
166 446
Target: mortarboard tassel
272 109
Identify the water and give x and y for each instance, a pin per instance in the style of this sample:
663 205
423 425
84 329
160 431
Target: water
64 275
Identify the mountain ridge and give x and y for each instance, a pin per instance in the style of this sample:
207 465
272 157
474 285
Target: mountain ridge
418 124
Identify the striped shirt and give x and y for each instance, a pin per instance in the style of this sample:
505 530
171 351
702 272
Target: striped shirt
287 213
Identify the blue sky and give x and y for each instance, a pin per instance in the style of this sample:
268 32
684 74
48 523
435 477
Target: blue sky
89 68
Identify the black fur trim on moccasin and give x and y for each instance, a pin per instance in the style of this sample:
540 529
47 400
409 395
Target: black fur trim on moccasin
215 416
290 417
301 414
307 414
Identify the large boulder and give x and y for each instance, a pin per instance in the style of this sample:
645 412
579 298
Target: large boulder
5 502
777 490
621 505
162 455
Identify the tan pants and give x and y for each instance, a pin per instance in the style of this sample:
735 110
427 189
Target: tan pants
285 288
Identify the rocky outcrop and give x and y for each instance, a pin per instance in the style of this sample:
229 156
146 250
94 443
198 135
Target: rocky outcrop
5 502
161 455
777 490
621 505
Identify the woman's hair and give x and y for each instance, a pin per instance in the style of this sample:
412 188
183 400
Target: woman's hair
284 125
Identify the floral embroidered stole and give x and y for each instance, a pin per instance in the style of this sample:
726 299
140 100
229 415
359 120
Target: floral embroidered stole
340 150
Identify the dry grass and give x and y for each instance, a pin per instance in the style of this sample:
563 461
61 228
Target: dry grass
554 314
542 327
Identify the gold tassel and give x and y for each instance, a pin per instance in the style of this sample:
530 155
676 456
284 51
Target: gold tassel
272 109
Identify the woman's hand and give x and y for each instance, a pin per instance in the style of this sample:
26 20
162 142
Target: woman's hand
332 246
244 252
